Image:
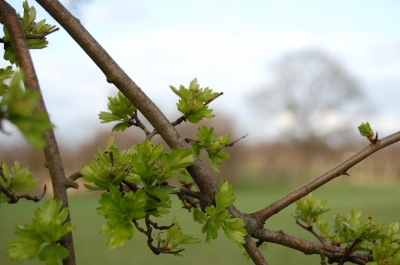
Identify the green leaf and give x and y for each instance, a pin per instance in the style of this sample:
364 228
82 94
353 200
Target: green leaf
22 178
5 73
30 28
48 226
119 234
121 110
120 211
234 229
105 171
22 248
19 107
220 217
309 209
365 130
199 216
213 146
211 229
192 100
17 180
52 254
176 238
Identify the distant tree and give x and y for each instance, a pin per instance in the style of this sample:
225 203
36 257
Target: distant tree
307 89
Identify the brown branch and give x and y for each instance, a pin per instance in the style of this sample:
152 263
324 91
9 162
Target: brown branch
311 230
156 250
70 182
131 186
232 143
12 198
212 99
41 36
347 251
333 253
317 182
135 121
9 18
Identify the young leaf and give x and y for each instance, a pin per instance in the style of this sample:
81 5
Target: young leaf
52 254
220 217
19 107
175 238
31 29
48 226
192 101
120 211
17 180
213 146
121 110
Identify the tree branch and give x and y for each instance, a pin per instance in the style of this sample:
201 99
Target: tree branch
14 198
333 253
9 18
311 230
317 182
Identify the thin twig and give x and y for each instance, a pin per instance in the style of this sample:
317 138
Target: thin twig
334 253
212 99
41 36
347 251
317 182
70 182
135 121
232 143
12 198
311 230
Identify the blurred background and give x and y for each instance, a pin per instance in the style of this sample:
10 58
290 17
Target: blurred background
298 77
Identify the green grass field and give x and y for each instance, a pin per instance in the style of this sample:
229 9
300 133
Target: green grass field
382 202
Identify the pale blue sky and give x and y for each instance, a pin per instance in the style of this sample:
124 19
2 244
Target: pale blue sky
227 45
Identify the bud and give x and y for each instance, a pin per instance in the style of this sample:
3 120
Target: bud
365 130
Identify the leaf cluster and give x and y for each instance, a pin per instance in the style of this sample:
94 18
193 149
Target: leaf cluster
308 210
48 227
145 167
351 229
192 101
120 110
174 239
142 163
119 212
219 217
15 180
19 106
213 146
34 33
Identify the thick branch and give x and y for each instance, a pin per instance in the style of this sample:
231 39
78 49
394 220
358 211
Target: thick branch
9 18
317 182
334 253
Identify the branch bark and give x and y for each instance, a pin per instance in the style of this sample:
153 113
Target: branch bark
317 182
334 253
8 17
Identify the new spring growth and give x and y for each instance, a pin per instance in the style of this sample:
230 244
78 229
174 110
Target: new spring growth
366 131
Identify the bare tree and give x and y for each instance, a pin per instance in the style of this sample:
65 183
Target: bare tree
308 88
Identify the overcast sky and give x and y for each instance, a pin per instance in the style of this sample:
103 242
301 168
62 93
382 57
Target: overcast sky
227 45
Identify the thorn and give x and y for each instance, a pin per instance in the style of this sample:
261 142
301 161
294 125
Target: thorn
345 173
376 138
